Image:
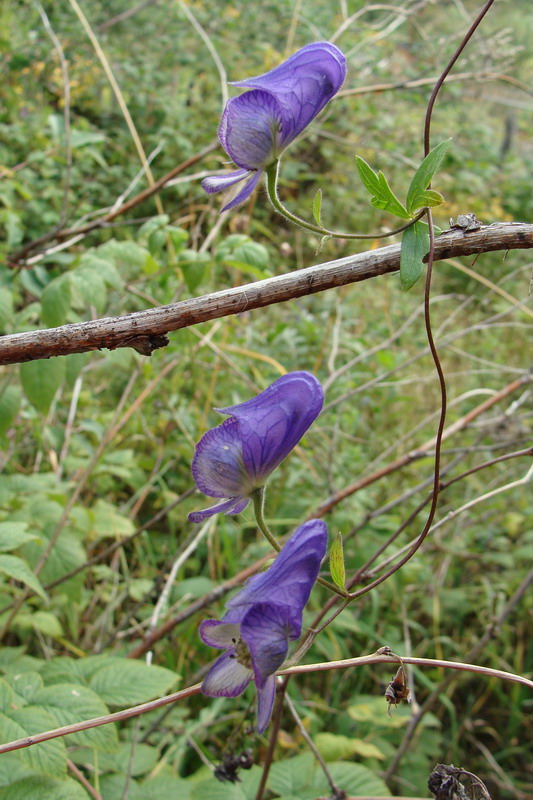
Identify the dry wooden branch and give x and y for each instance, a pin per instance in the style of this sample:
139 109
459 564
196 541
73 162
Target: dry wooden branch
146 331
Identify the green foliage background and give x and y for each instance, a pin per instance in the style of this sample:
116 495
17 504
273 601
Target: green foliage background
93 446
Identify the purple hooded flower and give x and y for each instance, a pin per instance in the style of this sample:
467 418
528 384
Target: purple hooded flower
257 126
235 458
260 620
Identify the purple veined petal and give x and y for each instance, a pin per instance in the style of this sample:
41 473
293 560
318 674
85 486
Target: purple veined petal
226 678
245 192
291 577
274 421
302 85
219 183
265 703
219 634
217 466
266 629
230 507
250 129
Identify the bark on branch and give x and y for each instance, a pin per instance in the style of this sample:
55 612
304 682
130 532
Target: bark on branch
146 331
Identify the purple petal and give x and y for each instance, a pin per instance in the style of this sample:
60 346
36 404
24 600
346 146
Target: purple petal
217 466
273 422
219 634
226 678
218 183
290 578
245 192
250 129
232 506
302 85
265 630
265 703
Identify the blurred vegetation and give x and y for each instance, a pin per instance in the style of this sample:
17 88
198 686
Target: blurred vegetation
94 446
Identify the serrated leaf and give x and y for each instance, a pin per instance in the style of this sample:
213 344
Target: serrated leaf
55 301
317 207
124 682
356 780
41 380
336 562
424 175
43 787
9 407
69 703
121 759
25 684
18 569
14 535
415 245
49 758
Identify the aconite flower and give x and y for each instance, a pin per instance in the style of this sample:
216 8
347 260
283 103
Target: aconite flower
257 126
262 618
235 458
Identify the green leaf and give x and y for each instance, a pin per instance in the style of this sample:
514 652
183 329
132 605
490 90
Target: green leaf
302 777
162 786
6 308
336 562
13 535
43 621
215 790
49 757
317 208
69 703
430 199
26 685
415 245
44 788
193 266
249 257
356 780
9 407
83 138
383 196
423 176
367 175
242 266
41 380
18 569
112 787
88 288
74 365
55 301
143 759
333 746
123 682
